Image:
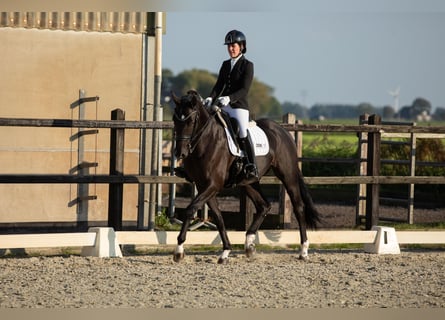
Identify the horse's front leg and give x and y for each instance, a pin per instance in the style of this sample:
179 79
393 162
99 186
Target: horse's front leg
190 211
227 247
179 250
262 207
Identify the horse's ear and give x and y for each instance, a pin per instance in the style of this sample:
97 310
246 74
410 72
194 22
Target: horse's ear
175 98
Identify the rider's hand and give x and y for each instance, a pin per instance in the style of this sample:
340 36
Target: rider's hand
224 101
208 102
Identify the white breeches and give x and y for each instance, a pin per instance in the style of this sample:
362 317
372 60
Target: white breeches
242 115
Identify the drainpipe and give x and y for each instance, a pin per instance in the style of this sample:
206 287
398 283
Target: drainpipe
142 217
153 205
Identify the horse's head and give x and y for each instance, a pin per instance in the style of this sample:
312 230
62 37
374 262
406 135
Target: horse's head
186 117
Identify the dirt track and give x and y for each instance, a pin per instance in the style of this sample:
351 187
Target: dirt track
277 279
350 279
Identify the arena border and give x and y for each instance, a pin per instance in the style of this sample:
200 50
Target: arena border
105 242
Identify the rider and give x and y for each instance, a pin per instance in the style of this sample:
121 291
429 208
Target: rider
230 91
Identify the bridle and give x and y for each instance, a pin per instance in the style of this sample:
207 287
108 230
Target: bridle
196 134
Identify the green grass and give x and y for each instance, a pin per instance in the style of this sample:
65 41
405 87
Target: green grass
418 226
338 138
353 122
318 139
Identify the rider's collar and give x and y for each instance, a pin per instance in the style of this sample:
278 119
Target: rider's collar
233 61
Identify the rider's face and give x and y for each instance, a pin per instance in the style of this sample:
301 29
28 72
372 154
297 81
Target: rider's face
234 50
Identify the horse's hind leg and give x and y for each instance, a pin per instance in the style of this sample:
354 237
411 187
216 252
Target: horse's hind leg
262 207
293 190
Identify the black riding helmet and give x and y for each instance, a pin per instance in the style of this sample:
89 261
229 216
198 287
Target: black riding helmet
236 36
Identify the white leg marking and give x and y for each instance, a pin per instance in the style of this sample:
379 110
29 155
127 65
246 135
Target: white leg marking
224 255
179 249
304 249
250 240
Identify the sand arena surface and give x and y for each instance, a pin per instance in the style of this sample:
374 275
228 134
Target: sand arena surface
275 279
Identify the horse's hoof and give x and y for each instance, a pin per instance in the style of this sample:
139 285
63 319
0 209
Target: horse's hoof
178 257
250 251
303 258
223 260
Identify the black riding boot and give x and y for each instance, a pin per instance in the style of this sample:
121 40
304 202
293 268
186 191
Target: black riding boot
250 169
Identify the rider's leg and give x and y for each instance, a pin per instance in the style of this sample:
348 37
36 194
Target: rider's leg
250 168
242 115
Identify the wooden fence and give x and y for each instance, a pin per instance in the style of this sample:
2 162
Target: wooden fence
373 129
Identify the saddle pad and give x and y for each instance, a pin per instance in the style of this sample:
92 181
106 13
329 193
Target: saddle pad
259 140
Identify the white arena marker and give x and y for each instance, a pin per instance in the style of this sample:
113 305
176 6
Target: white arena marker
385 241
105 246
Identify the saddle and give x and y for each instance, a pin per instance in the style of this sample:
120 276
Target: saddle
259 139
259 142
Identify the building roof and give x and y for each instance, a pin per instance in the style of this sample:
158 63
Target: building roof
119 22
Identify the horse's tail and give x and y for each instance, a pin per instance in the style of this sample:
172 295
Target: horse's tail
311 214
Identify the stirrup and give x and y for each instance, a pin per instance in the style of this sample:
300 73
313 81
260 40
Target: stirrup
250 171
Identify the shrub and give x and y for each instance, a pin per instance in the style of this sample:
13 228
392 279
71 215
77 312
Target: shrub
326 148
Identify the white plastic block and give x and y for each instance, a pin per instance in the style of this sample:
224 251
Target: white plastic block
105 246
385 241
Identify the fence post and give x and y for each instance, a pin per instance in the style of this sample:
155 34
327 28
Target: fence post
116 190
362 170
373 169
412 173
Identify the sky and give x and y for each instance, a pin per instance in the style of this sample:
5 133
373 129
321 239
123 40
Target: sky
336 52
308 51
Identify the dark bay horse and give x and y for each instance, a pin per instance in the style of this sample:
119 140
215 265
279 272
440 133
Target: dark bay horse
202 144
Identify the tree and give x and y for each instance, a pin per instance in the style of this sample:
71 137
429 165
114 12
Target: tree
300 111
365 108
261 99
405 113
318 111
439 114
388 112
200 80
166 85
419 106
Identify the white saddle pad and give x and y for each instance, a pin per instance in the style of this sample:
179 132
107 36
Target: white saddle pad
259 140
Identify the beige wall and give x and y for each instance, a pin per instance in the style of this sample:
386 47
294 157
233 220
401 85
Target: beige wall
41 74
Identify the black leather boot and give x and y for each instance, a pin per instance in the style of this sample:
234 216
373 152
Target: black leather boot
250 168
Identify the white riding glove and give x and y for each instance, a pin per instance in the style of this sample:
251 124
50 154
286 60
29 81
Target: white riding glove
208 102
224 101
